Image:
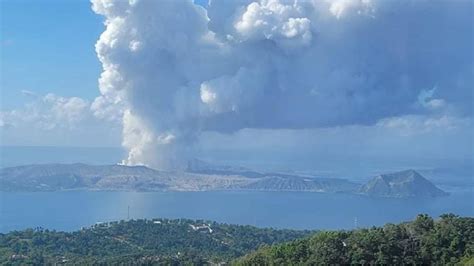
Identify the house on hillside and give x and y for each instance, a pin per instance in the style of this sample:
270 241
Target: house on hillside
201 228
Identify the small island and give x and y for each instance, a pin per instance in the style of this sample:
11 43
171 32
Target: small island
402 184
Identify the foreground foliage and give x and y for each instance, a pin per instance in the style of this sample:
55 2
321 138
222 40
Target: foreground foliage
139 241
447 241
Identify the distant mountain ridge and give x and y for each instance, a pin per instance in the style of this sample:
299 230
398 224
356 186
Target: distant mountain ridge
202 177
46 177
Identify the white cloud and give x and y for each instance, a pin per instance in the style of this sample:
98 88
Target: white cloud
340 8
54 120
66 110
436 103
48 112
427 100
286 24
420 124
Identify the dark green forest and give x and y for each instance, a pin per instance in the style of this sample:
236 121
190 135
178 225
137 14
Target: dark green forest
160 241
448 240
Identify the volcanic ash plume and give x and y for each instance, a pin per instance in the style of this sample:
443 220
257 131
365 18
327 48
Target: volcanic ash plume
172 69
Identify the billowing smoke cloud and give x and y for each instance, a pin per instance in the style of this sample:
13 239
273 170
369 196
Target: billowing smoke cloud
173 69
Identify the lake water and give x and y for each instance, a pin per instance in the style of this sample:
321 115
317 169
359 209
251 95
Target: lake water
72 210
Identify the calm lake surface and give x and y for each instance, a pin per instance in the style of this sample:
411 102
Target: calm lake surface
299 210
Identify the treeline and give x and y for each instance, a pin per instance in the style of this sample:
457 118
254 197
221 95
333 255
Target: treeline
160 241
446 241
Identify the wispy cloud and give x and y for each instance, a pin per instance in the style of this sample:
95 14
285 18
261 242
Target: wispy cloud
28 93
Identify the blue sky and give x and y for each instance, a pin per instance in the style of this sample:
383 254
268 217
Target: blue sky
44 40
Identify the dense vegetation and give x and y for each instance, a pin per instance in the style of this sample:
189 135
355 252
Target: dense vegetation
139 241
447 241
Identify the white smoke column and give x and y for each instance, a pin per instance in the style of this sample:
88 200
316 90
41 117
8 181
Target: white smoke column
150 55
173 69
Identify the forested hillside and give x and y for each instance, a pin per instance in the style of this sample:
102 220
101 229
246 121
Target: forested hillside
447 241
140 241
